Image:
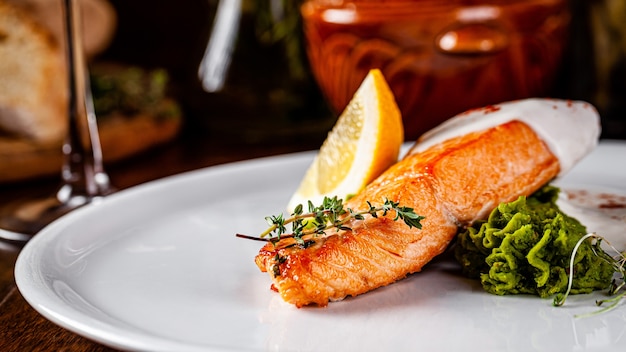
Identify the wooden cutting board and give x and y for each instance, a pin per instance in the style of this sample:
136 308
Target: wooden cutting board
120 137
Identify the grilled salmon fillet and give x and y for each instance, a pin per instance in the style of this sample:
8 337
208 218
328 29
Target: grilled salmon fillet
451 184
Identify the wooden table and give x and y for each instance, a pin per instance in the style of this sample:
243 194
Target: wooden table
21 327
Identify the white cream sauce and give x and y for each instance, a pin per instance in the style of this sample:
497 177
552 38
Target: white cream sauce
569 128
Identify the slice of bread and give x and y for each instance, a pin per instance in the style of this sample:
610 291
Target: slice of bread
33 93
98 17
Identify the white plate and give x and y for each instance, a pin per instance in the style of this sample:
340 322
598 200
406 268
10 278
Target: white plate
158 267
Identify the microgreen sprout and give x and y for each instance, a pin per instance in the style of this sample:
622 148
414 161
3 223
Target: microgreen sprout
618 262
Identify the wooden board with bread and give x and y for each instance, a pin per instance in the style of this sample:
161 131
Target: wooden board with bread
33 91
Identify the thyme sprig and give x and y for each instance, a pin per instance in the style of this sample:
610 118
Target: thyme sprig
330 214
618 262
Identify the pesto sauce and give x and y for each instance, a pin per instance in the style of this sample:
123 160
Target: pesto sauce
525 246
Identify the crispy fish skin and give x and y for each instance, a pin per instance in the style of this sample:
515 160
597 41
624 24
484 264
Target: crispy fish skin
451 185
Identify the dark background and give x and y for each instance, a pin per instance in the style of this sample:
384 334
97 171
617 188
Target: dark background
261 102
173 35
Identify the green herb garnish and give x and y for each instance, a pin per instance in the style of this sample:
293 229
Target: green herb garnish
331 214
130 91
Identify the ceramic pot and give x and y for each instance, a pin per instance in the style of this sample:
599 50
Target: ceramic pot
439 57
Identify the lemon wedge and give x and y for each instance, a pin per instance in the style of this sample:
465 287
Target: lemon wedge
364 142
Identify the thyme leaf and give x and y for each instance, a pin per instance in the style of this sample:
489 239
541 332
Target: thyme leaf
330 214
